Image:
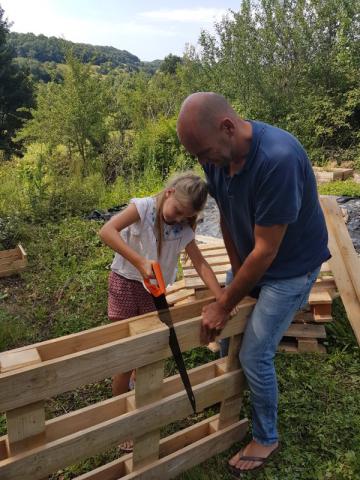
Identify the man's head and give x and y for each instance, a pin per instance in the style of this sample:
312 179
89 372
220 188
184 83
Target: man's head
208 128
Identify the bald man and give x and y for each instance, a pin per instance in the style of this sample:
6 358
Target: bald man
275 235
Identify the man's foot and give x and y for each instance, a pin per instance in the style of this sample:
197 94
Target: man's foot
127 446
253 457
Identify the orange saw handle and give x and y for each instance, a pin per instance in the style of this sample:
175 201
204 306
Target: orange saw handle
159 289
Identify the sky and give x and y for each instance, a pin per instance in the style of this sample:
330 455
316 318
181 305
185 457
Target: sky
149 29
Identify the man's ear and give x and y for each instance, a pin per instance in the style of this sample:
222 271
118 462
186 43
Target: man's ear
227 126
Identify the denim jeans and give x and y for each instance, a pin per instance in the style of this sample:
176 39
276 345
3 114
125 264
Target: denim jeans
273 313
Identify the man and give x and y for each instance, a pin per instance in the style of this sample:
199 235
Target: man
275 235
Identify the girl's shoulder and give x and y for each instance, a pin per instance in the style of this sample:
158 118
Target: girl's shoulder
146 208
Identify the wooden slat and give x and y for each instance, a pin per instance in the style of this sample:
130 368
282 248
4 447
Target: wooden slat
191 272
179 295
320 297
55 455
148 389
25 425
299 330
345 275
219 260
70 371
14 360
196 445
13 252
197 282
230 407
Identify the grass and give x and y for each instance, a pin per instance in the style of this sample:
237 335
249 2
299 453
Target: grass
347 188
64 290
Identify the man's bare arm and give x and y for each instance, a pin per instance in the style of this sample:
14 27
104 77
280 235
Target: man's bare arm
267 244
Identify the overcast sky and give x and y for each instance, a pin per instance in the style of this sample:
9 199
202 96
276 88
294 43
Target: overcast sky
148 29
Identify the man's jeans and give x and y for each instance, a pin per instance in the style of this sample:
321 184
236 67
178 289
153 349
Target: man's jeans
273 313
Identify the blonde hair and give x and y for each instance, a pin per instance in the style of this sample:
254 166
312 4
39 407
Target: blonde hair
190 190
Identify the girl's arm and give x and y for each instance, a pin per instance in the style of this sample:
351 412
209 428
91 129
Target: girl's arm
203 269
109 234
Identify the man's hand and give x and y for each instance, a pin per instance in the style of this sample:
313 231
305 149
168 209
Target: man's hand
214 318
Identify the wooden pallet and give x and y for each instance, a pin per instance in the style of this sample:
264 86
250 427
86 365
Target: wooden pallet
320 299
35 447
12 261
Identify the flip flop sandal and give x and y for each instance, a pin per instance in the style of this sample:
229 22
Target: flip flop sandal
126 449
238 473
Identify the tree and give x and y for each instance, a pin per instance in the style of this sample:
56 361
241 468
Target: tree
72 113
294 63
170 63
15 93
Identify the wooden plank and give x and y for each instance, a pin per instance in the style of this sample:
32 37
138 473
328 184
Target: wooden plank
292 347
320 297
191 272
52 456
177 452
77 342
196 282
343 240
230 407
25 425
307 345
148 389
14 360
179 285
13 252
179 295
325 267
305 331
341 274
219 260
105 410
34 383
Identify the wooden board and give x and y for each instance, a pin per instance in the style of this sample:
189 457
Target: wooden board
178 452
94 440
70 371
344 263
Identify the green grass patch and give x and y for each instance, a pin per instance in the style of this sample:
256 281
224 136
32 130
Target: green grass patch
347 188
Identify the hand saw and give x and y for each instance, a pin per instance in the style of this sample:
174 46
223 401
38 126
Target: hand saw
158 292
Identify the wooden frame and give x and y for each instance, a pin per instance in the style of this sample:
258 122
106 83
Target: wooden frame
31 374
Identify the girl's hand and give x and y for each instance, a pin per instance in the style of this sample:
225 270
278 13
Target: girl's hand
145 268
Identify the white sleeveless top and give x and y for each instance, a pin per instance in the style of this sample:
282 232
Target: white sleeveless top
141 237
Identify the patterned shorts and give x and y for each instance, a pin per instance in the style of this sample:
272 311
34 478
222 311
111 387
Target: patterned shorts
127 298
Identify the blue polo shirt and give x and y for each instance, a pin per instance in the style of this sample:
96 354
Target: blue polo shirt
275 186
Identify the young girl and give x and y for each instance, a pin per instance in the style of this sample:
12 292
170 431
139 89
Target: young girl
151 229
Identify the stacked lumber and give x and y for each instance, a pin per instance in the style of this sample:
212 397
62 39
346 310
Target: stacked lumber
307 331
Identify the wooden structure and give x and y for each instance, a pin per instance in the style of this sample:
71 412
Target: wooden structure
344 262
35 447
307 330
12 261
324 175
